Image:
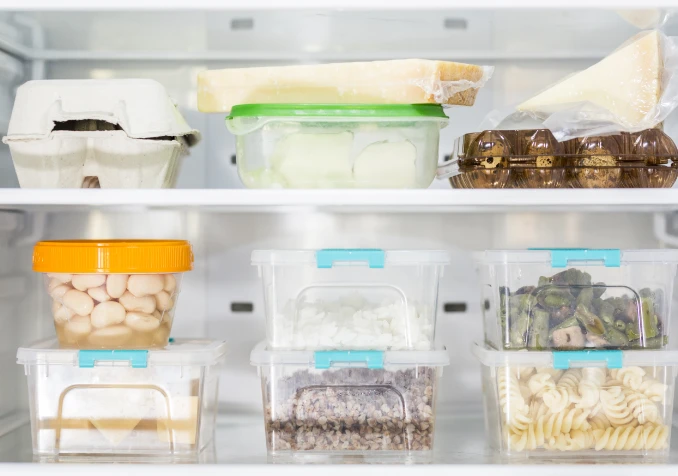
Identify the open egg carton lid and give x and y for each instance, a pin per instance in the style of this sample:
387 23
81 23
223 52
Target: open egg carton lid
140 107
261 355
180 352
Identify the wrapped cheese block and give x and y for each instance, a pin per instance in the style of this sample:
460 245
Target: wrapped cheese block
627 83
410 81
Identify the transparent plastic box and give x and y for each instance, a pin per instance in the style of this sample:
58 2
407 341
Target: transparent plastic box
565 299
122 403
337 146
350 298
602 404
349 406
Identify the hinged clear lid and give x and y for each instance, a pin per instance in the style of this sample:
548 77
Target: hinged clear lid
261 356
573 359
179 352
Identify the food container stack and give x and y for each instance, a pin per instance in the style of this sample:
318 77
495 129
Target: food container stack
350 368
574 360
113 384
124 133
352 125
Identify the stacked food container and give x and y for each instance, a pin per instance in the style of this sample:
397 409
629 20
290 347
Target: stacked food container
113 383
575 359
350 368
353 125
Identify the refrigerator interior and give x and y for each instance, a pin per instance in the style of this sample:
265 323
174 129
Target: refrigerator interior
529 49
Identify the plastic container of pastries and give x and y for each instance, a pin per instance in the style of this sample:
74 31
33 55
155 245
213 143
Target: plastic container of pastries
535 159
603 404
115 405
113 294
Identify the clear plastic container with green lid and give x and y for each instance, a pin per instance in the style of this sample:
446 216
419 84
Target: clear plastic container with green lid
337 146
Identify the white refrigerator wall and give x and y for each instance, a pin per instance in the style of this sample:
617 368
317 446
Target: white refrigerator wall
529 50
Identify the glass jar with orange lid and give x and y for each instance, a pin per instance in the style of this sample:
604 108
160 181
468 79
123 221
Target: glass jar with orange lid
113 294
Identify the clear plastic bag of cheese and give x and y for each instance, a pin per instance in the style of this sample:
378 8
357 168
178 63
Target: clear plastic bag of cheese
632 89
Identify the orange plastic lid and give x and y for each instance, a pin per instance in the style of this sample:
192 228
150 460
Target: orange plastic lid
113 256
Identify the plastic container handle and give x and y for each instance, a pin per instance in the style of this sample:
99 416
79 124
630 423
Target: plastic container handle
137 358
374 359
560 257
373 257
563 360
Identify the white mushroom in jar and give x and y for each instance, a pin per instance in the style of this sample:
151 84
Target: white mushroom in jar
107 314
170 283
116 285
142 322
145 284
57 289
113 336
144 304
82 282
163 301
99 294
61 313
61 277
81 303
77 328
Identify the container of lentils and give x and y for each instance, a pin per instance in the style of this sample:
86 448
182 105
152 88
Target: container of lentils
113 294
349 406
571 299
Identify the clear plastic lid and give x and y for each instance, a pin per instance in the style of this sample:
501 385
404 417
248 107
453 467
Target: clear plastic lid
179 352
374 359
608 257
374 258
575 359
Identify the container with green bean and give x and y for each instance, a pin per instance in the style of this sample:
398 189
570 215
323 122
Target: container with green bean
568 299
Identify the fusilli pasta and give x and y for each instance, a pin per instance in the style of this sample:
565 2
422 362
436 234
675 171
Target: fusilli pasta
615 407
644 437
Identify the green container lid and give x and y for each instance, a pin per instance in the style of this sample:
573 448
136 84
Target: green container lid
338 110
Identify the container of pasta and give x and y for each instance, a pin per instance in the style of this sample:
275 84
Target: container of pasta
345 299
113 294
569 404
349 406
122 403
569 299
337 145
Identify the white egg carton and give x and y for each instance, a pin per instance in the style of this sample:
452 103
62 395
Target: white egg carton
124 133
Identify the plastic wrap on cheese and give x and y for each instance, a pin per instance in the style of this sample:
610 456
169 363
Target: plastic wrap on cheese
632 89
410 81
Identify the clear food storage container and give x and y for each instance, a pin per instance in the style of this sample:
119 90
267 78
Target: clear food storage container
560 299
114 133
113 294
122 403
573 404
349 406
337 146
350 298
